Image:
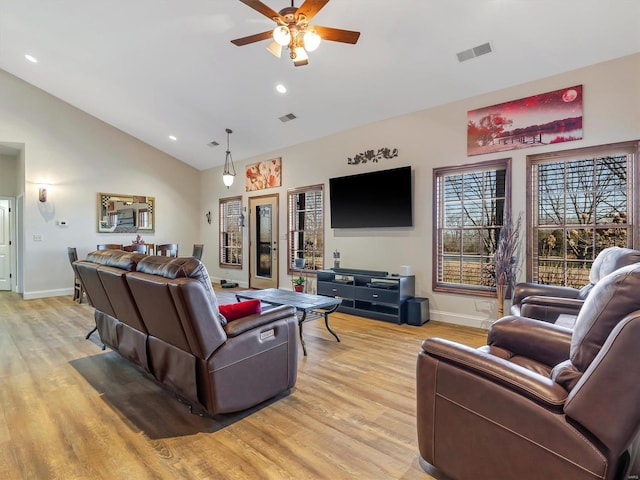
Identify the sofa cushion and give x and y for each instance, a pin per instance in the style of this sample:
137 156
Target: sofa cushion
233 311
116 258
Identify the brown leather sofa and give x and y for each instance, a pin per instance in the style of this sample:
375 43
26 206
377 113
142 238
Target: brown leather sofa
548 302
162 314
539 401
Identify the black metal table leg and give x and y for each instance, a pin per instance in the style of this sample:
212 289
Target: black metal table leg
326 321
91 332
300 322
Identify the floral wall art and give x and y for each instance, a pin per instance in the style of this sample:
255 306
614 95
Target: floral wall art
261 175
552 117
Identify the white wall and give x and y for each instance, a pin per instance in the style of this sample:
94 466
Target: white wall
428 139
78 156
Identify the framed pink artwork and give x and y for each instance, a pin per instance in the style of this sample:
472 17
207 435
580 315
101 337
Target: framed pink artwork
261 175
552 117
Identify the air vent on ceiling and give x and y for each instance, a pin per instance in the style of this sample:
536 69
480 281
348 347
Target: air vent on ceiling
287 117
213 143
475 52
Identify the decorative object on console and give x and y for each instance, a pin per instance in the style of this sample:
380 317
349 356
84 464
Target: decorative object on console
336 259
298 284
263 175
506 260
551 117
229 172
294 32
370 156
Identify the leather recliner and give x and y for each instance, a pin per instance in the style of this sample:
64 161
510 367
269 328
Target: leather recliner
539 401
548 302
161 313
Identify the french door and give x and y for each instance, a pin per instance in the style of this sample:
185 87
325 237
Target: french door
263 241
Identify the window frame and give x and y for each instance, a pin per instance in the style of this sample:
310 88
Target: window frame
318 252
584 153
226 218
438 173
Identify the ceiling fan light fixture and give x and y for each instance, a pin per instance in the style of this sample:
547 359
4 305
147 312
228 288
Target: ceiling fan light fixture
282 35
275 48
311 40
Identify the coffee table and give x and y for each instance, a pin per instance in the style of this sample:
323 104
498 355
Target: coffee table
303 302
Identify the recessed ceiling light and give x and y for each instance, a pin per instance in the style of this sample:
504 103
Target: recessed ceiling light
31 58
173 137
281 88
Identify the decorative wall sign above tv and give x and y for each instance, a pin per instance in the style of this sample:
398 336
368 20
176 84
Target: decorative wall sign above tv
125 213
263 175
552 117
370 156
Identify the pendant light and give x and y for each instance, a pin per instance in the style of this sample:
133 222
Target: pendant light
229 170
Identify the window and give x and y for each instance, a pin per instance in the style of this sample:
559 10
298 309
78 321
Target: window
581 203
470 205
305 214
231 232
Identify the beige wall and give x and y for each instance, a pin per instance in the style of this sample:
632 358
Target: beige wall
428 139
78 156
8 175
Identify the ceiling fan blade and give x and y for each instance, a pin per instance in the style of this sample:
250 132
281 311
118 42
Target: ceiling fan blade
252 38
336 34
258 6
310 7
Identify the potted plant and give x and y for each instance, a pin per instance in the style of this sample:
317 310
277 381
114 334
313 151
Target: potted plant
298 284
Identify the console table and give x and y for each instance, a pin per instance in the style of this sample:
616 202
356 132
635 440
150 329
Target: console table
368 293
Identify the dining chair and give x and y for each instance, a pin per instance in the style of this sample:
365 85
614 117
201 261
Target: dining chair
78 288
109 246
151 248
138 247
167 250
197 250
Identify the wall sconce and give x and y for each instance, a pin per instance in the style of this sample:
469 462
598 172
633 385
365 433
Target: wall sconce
208 215
42 194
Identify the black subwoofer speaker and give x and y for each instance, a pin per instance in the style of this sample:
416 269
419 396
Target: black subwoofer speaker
417 311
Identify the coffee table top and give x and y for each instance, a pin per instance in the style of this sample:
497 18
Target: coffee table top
302 301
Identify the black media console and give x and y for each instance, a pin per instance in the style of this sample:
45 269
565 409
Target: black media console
369 293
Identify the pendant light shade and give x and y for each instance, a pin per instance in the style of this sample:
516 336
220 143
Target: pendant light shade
229 172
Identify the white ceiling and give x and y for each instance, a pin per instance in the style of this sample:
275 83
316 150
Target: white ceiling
155 68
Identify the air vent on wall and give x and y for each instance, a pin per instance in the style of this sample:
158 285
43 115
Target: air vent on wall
287 117
474 52
213 143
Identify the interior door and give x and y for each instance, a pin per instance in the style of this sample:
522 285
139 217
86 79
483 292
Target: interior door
5 245
263 241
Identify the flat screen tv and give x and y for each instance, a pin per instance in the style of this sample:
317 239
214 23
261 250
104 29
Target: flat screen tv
370 200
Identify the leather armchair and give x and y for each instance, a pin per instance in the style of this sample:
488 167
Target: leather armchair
539 401
548 302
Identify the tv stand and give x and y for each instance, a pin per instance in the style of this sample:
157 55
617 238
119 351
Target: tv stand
368 293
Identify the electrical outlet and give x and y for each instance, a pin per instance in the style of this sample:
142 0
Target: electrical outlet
37 237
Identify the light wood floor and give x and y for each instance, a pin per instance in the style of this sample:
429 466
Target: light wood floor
69 410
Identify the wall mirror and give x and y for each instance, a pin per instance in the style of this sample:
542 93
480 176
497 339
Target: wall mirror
125 213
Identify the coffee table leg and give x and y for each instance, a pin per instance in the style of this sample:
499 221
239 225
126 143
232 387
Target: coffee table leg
300 322
326 321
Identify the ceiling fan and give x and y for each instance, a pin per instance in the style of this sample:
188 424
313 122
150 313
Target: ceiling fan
293 30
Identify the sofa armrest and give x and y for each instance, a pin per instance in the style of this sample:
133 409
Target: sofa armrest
530 384
244 324
523 290
544 342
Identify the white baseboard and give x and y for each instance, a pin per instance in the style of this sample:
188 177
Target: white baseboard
60 292
460 319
